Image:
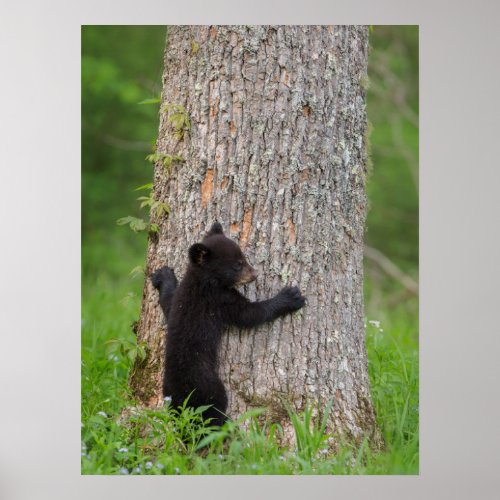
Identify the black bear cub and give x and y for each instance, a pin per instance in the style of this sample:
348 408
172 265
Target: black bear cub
197 310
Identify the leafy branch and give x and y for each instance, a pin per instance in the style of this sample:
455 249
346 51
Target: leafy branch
154 205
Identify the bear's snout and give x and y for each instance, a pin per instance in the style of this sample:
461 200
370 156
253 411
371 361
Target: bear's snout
248 275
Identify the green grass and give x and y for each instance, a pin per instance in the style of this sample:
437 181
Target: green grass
163 442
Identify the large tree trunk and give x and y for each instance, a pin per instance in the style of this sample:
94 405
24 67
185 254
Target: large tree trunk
275 149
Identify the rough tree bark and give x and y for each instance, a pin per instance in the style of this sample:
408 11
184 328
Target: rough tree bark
275 149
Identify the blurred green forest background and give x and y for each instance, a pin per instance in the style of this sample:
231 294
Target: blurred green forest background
122 66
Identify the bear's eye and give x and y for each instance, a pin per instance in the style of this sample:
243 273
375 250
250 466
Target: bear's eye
238 265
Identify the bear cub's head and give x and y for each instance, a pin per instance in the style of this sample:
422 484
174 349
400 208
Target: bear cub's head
221 259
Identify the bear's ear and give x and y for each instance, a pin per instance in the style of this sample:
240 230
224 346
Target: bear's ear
215 229
198 254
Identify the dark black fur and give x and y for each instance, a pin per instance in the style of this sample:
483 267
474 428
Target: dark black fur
199 308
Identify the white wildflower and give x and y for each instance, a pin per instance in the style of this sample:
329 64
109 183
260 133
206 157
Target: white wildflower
148 465
124 470
374 323
102 414
123 450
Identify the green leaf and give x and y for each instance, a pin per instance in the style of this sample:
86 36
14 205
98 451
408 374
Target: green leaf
179 118
254 412
135 224
144 186
161 208
141 351
137 271
201 409
155 157
147 201
152 100
209 439
112 346
126 300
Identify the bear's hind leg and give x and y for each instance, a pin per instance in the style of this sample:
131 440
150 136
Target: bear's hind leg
212 394
215 417
218 400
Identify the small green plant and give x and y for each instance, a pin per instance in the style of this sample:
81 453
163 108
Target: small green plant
165 159
138 225
178 117
156 206
149 201
310 436
126 348
135 223
229 430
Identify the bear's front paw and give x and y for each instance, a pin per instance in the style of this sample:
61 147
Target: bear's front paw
164 278
292 298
